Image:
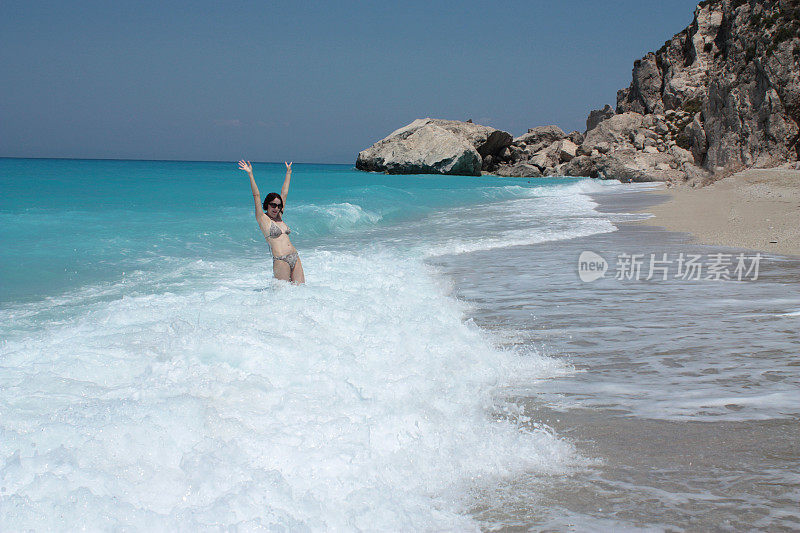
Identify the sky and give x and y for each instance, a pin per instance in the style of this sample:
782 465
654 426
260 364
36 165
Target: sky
312 82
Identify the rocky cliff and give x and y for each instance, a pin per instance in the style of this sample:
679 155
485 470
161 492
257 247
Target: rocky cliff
721 95
734 73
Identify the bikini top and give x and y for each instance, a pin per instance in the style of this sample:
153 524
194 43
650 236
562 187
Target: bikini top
276 231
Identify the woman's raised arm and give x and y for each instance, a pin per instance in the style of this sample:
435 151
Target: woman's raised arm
285 188
247 167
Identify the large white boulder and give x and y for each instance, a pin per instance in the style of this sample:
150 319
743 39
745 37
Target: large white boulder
434 146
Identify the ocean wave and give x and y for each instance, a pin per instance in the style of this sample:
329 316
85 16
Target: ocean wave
315 219
522 237
565 214
214 396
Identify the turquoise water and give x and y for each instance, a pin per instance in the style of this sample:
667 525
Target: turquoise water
68 223
156 377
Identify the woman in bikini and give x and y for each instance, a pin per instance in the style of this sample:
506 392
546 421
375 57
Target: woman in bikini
286 263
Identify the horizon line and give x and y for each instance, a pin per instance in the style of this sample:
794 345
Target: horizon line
161 160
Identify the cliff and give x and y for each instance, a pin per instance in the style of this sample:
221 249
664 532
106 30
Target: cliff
721 95
734 72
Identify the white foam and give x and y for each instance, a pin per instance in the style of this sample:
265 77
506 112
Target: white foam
334 217
569 187
215 397
550 214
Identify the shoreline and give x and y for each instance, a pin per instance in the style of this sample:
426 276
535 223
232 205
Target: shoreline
756 209
666 398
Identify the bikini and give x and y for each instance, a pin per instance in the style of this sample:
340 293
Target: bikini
291 258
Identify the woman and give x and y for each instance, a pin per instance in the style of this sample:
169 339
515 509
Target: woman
286 263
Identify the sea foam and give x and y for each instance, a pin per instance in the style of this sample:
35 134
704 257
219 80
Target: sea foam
215 396
539 214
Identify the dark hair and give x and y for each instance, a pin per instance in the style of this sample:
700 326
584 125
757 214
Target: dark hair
271 196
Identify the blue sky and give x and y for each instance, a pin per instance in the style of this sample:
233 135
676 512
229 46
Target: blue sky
304 81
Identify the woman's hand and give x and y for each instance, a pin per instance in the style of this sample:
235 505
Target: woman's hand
246 166
288 166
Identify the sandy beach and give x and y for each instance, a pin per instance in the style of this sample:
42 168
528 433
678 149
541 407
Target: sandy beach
757 209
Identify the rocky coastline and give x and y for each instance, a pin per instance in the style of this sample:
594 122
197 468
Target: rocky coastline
720 96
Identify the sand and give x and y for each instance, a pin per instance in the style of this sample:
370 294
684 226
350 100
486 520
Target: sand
758 209
683 390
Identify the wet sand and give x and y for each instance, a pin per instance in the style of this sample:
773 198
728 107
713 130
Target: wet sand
758 209
683 397
671 475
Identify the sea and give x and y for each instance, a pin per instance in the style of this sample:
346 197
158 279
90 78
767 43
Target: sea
446 367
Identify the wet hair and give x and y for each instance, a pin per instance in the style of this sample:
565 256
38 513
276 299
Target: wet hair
271 196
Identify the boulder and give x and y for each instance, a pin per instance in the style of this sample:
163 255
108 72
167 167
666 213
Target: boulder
494 142
548 157
485 139
517 154
429 149
576 137
696 176
566 150
637 139
540 137
435 146
520 170
681 156
581 165
631 165
661 128
602 147
616 130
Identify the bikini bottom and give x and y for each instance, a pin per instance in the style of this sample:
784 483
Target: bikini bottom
291 259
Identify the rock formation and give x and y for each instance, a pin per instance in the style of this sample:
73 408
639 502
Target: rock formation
734 71
433 146
721 95
628 146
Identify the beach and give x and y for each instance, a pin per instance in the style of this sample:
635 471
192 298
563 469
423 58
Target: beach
682 391
445 367
758 209
540 308
156 376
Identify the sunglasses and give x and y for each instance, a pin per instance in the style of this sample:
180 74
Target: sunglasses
276 205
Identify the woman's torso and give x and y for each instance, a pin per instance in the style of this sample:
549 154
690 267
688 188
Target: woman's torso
277 235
